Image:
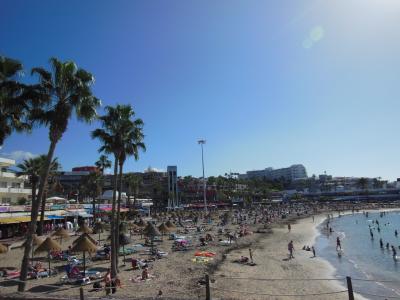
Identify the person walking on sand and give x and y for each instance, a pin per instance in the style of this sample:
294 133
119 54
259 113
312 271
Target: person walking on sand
313 251
251 256
291 249
289 227
338 244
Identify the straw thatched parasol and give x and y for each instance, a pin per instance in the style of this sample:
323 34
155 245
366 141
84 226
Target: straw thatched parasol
123 241
142 223
163 229
84 245
170 225
151 231
133 226
36 241
3 249
82 236
61 233
84 229
47 246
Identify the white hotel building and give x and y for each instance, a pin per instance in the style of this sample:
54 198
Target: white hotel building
11 187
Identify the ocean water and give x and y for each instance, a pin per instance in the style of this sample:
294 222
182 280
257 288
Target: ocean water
362 257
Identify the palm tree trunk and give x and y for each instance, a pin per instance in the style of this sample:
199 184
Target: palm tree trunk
119 209
28 243
94 209
43 183
114 252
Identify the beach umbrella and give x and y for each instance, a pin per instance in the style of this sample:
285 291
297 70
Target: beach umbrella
170 225
84 229
142 223
36 241
132 226
98 228
61 233
163 229
124 240
84 245
151 231
47 246
83 235
3 249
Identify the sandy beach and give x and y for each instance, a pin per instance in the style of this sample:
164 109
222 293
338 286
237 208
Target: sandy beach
177 276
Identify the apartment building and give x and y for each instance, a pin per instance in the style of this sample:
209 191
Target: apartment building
12 188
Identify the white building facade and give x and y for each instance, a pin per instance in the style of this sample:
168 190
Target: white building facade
12 188
294 172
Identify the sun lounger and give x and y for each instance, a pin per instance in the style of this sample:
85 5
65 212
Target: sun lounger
75 280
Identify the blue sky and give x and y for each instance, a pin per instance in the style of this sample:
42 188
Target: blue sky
266 83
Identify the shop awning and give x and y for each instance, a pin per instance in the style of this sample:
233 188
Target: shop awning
15 220
108 209
55 217
81 214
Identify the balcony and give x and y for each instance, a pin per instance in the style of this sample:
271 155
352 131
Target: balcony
10 190
6 162
10 175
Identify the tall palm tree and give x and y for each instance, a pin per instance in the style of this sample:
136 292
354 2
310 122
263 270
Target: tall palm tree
64 89
103 163
122 136
132 137
32 168
111 144
13 99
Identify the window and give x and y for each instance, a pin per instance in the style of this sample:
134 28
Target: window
16 185
6 200
3 184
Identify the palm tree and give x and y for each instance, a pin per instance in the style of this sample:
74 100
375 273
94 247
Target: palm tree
111 144
92 185
132 137
32 168
51 181
103 163
64 90
13 99
133 182
122 137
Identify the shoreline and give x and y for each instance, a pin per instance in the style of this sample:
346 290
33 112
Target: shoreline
177 276
347 213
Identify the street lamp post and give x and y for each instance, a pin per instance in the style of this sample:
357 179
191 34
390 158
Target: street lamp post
202 142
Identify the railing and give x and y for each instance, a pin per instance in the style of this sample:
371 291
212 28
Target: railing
7 174
209 288
15 190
